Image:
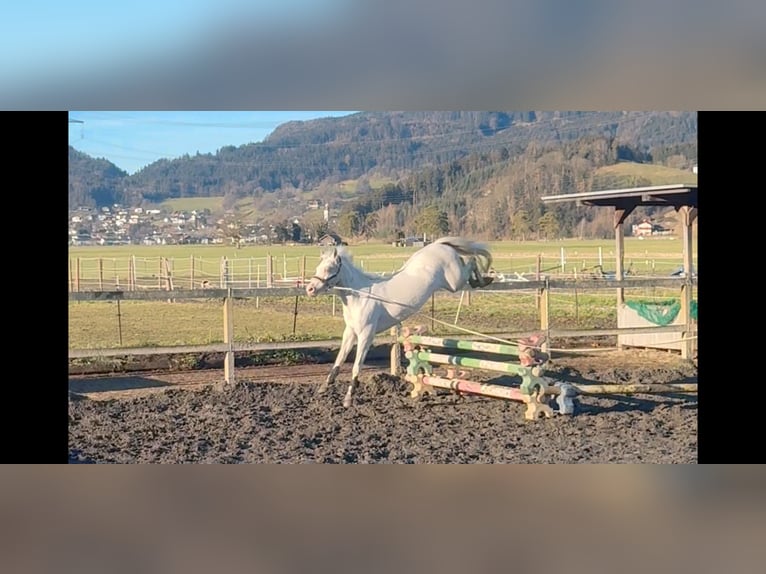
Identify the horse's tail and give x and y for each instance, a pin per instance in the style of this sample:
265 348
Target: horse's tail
479 251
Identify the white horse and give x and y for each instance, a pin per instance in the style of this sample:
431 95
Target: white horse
372 304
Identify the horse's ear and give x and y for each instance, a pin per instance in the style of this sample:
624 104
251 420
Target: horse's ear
335 252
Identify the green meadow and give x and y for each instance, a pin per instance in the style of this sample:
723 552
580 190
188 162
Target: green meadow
160 323
97 267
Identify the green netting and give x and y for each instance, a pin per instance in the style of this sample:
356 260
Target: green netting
660 312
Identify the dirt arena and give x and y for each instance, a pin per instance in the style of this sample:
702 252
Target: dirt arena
274 416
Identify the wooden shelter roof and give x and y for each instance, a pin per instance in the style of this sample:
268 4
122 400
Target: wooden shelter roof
675 195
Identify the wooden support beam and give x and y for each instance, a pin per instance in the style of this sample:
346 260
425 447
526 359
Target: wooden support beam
619 253
688 215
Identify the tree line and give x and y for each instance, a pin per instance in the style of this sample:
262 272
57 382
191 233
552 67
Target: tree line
474 173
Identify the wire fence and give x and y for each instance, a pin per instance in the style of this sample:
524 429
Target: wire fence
145 319
170 273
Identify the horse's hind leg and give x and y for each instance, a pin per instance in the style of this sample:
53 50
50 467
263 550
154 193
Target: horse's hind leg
477 280
346 344
362 347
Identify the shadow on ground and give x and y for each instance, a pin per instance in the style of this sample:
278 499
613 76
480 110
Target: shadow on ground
127 383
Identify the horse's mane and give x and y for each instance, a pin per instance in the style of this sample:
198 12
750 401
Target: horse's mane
348 259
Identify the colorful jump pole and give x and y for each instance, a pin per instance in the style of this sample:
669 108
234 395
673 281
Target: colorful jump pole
424 384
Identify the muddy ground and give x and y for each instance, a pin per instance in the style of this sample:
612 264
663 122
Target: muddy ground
274 416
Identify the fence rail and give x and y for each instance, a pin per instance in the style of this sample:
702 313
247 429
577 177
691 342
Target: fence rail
159 295
542 290
133 273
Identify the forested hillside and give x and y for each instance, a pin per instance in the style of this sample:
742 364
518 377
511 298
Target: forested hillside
480 173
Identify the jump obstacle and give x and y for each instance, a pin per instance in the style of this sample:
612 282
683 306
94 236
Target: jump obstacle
534 390
530 367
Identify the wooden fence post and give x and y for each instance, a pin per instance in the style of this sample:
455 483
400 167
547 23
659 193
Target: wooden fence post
159 274
303 269
224 279
169 274
133 271
77 276
432 312
396 352
269 271
169 277
538 272
545 315
71 276
191 273
119 322
228 338
100 274
295 314
577 305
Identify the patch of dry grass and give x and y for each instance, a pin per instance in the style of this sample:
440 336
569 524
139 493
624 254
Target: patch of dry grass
199 322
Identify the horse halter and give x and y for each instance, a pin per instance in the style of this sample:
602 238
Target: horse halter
326 281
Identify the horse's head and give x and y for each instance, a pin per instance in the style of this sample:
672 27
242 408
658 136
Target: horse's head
327 274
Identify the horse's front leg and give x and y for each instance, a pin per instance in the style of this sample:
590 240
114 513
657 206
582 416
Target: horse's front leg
364 341
346 344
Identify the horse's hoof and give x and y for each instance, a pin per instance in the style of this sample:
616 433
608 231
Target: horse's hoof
322 389
347 402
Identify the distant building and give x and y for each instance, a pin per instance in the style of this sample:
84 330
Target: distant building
647 228
643 229
330 239
411 241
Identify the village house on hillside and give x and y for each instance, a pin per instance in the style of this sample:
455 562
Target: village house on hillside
117 225
646 228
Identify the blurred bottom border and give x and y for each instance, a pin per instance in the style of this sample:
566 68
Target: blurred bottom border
375 518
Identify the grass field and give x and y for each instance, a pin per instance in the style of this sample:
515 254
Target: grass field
655 174
190 264
349 186
144 323
214 204
184 322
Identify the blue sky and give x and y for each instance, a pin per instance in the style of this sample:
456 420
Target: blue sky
133 140
43 40
398 54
